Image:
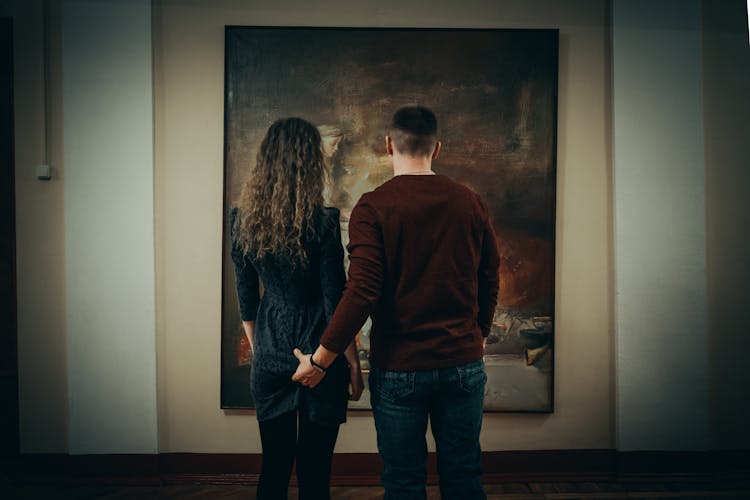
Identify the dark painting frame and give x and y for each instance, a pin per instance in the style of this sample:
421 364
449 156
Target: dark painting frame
495 94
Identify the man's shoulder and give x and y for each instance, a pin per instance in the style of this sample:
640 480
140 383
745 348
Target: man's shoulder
379 194
394 193
366 204
398 183
459 187
382 189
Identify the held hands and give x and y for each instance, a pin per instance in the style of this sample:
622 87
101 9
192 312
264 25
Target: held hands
306 374
310 376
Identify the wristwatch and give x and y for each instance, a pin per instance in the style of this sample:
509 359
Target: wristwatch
317 367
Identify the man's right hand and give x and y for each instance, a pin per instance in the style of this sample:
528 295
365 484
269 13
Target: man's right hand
306 374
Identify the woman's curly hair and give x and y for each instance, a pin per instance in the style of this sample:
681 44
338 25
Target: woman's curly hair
277 203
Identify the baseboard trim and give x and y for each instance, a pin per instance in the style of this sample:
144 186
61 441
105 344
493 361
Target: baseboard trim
363 469
123 469
725 464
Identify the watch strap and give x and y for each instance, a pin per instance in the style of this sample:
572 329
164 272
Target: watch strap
317 366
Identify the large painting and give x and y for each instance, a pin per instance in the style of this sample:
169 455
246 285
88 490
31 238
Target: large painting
495 95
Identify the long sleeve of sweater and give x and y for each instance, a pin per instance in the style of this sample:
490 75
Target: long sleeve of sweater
365 283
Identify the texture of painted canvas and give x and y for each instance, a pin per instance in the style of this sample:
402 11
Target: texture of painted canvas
495 95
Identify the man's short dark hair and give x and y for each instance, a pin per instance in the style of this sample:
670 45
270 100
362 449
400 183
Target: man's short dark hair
414 131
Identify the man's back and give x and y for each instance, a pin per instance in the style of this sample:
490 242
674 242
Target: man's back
423 251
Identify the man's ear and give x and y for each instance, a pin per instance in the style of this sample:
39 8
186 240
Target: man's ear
436 152
388 145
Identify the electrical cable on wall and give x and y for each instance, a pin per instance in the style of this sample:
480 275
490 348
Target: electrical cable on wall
44 170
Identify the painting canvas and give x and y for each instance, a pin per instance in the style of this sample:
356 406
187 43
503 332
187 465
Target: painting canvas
495 95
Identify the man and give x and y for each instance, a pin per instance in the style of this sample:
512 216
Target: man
424 266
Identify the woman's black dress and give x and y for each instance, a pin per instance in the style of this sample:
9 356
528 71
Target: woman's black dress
295 308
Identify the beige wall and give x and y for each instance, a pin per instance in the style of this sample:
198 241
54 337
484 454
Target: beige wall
39 235
659 224
109 226
726 80
188 92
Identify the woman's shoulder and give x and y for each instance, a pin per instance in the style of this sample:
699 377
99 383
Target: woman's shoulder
331 212
328 219
326 215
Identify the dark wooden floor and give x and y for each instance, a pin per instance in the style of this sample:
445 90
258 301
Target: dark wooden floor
506 491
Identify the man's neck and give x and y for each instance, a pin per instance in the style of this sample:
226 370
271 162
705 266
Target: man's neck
408 165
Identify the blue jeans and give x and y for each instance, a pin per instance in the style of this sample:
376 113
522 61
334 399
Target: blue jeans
452 398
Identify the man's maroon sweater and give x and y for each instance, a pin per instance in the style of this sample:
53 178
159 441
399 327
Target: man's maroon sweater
424 265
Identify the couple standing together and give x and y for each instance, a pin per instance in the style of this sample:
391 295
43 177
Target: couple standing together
423 264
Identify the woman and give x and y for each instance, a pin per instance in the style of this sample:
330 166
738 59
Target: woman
284 237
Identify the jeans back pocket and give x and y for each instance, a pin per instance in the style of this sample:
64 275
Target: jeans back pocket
472 376
392 386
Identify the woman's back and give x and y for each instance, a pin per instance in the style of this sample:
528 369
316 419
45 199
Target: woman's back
284 242
297 302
